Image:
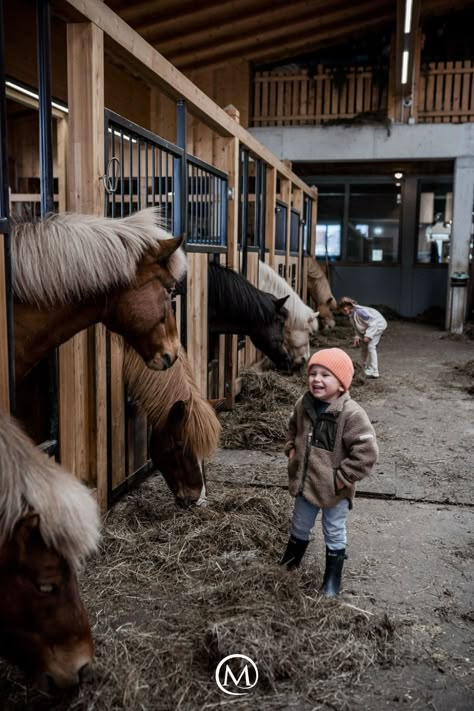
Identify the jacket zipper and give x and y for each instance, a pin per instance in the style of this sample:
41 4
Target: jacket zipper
306 457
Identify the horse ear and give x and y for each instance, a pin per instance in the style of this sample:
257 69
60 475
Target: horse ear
23 530
176 414
280 302
167 247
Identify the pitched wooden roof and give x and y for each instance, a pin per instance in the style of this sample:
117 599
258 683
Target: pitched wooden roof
193 34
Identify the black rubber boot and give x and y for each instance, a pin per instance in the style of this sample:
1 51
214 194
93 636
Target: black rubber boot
294 553
333 573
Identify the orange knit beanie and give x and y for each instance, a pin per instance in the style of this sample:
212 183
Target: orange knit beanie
338 362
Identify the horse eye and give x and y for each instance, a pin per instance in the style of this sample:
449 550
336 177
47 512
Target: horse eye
47 588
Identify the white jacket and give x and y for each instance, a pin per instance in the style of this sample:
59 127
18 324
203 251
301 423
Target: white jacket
367 321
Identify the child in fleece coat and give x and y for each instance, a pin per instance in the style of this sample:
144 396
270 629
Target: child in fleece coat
331 445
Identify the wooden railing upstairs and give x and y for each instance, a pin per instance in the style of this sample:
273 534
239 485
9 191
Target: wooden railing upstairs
282 99
446 92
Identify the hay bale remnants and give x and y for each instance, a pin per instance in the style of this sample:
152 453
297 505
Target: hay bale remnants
173 592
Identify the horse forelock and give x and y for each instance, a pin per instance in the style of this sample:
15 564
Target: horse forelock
157 391
72 256
32 482
240 298
298 312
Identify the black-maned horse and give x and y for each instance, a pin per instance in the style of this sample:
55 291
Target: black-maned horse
237 306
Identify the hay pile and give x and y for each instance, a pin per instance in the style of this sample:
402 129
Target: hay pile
173 592
260 417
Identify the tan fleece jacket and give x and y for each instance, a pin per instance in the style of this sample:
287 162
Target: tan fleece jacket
332 451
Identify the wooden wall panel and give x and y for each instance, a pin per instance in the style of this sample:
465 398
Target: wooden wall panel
197 317
82 369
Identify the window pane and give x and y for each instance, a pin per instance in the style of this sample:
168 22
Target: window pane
373 225
435 207
328 240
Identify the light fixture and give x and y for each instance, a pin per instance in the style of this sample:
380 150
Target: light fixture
405 56
408 16
33 95
398 175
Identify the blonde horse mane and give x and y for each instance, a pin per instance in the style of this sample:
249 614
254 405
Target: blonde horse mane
31 482
157 391
72 256
300 316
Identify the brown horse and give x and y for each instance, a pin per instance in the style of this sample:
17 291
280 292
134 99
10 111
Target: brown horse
185 428
71 271
48 524
320 292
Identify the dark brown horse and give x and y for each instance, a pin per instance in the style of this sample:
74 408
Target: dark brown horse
71 271
237 306
48 524
185 429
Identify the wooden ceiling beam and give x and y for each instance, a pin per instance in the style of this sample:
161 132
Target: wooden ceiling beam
225 16
291 48
138 14
278 13
279 35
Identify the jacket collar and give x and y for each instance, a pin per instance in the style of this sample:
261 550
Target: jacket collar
334 408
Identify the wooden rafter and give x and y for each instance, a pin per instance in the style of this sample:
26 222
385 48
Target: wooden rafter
276 35
289 46
206 24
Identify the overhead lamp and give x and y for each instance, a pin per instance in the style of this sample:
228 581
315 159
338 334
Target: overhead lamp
34 95
398 175
405 57
408 8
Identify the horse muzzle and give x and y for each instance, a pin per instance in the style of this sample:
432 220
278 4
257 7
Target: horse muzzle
161 362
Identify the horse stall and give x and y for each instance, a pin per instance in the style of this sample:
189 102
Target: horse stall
121 130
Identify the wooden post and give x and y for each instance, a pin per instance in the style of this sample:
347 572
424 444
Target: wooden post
270 205
226 158
418 45
285 194
298 205
82 372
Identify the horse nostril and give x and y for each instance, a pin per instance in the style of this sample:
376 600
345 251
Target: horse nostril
166 358
84 672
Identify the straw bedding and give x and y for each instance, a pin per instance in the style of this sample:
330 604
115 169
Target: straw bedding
173 592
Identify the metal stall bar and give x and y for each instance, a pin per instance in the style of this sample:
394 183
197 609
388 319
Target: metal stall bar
43 24
5 221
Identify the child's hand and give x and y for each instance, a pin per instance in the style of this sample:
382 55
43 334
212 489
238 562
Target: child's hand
356 341
366 340
291 454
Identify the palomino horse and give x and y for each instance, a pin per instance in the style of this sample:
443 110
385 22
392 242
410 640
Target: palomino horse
185 428
301 319
320 291
48 524
237 306
71 271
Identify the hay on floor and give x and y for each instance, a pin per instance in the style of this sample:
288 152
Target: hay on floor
173 592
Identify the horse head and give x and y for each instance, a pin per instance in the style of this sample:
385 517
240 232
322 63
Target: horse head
182 468
43 621
142 313
326 315
270 337
297 340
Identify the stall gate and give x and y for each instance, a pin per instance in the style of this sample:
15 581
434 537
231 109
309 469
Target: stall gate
143 170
